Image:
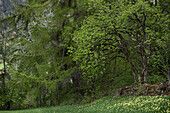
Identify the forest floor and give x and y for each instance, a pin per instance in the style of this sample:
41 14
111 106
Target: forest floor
109 104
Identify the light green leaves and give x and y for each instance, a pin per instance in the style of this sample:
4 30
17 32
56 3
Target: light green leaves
99 37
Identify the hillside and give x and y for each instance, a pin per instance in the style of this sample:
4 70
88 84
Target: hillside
73 52
141 104
6 7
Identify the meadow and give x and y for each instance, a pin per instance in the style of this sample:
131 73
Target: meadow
141 104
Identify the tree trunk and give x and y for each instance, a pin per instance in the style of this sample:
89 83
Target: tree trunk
145 59
4 70
38 96
134 73
134 70
167 66
123 45
3 88
7 103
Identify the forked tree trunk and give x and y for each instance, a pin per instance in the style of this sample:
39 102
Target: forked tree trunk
123 46
135 74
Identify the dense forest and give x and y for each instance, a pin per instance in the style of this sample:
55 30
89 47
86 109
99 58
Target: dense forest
60 52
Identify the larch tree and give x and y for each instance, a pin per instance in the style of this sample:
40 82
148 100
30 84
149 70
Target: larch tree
43 31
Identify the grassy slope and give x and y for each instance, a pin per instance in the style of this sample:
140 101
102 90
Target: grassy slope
147 104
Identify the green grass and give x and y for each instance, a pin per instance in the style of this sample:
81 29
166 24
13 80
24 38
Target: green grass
141 104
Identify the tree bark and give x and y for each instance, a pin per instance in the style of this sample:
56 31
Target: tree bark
7 103
167 66
126 52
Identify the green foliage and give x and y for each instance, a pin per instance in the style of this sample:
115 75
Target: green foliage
113 29
99 45
43 31
15 94
92 50
71 98
158 64
155 79
126 80
109 104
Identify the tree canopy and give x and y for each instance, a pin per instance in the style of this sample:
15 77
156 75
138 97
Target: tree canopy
128 31
71 51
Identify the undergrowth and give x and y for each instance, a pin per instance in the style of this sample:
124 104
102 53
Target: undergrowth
141 104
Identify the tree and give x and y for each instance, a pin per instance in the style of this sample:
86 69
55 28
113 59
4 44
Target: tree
125 28
4 74
43 31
